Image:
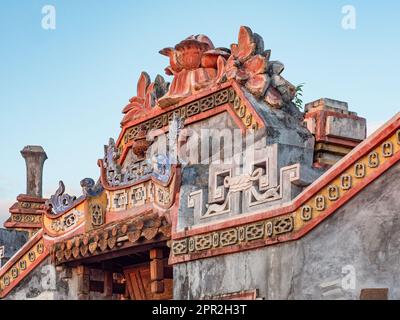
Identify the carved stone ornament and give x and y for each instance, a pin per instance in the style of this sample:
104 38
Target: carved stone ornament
249 64
196 64
67 221
147 96
97 214
113 169
229 188
60 202
158 166
90 188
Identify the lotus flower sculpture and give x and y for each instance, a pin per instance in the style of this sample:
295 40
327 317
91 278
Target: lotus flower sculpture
194 65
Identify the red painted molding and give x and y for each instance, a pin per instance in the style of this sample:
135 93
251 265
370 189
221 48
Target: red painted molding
14 224
25 248
27 198
226 107
158 111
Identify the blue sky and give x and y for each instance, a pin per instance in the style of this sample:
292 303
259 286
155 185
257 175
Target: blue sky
65 88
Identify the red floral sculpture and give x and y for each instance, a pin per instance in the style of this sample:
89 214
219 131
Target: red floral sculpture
249 64
194 65
146 98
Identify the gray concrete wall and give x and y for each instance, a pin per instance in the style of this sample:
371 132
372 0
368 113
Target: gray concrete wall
362 239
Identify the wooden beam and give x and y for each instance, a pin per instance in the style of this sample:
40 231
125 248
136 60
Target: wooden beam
156 270
98 286
108 284
118 253
83 274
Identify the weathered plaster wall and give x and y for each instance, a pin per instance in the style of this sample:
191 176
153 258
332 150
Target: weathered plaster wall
200 174
363 236
12 241
45 283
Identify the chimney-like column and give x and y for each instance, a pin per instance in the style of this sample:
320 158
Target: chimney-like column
34 157
336 130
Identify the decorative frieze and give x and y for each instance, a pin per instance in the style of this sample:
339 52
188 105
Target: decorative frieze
232 236
26 218
283 225
180 247
67 221
97 214
359 170
30 205
346 181
373 159
387 149
306 213
228 237
333 192
230 188
141 194
191 109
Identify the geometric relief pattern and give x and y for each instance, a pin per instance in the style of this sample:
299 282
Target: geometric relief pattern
311 209
247 190
97 214
203 242
140 195
221 97
232 236
26 218
67 221
180 247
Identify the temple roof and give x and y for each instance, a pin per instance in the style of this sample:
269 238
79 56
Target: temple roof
122 234
135 202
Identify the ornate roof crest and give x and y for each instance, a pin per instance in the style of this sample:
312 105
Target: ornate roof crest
90 188
147 96
196 64
249 64
60 202
113 169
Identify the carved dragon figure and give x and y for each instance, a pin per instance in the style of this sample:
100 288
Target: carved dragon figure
60 202
90 188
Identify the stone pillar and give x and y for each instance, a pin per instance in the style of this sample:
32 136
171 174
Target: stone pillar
34 157
336 130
